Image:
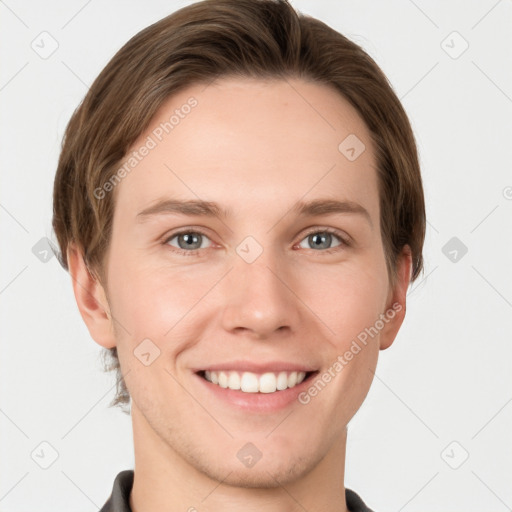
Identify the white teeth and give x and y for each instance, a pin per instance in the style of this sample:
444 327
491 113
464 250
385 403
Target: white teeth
268 383
234 380
282 381
223 380
250 382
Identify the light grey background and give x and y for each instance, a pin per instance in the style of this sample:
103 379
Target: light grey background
442 392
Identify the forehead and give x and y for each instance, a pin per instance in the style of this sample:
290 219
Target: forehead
251 143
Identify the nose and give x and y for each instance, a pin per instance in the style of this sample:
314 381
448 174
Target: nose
260 298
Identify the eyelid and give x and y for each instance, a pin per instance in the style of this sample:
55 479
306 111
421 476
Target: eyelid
343 237
168 237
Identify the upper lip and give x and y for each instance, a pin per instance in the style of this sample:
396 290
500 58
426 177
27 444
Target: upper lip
253 367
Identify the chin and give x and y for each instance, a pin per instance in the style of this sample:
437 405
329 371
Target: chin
272 470
261 476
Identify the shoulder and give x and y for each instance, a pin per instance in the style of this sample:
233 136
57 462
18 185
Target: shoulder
119 500
354 502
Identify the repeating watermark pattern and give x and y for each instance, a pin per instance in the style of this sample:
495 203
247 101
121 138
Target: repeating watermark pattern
351 147
147 352
151 142
44 455
343 360
454 45
249 249
45 48
455 455
43 250
454 249
45 45
249 455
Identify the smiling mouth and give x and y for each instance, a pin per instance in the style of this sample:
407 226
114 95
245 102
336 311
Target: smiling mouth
249 382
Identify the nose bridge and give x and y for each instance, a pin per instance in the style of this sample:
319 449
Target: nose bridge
258 297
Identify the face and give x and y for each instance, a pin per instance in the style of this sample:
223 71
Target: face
246 252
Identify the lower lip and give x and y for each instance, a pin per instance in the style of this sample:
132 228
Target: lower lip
256 402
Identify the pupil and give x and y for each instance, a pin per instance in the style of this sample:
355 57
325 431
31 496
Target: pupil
190 239
324 240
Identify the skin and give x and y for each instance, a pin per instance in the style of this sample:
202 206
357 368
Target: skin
255 147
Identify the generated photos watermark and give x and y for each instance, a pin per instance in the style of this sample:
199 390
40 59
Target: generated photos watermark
342 360
151 142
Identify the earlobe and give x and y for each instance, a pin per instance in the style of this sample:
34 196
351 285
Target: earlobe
396 304
91 299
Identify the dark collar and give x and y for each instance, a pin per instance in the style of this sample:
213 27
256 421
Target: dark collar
119 500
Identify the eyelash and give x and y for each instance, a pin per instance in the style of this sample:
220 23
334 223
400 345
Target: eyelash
343 240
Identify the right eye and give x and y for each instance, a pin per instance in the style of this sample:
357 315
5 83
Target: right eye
188 241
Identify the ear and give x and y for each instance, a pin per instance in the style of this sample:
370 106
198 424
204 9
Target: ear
396 301
91 299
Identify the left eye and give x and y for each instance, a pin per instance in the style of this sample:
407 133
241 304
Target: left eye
321 240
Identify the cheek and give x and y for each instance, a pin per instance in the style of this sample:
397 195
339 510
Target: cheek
349 306
157 302
347 299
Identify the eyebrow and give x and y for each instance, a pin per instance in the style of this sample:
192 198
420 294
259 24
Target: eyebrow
201 208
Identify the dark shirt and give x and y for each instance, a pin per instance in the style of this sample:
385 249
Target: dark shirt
119 499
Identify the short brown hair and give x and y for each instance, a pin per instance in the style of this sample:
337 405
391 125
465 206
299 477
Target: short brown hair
264 39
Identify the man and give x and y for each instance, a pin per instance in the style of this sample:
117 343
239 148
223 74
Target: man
239 204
